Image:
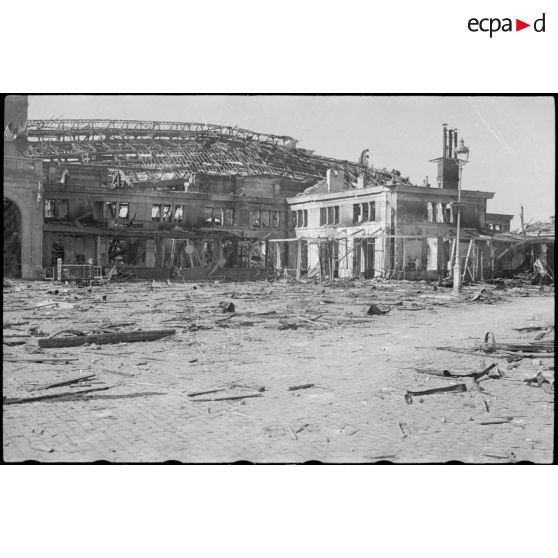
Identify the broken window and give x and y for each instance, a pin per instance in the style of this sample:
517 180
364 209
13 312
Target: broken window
62 209
264 219
178 212
124 210
497 228
439 213
449 214
275 219
430 212
365 212
156 212
166 213
229 217
302 218
80 259
372 215
111 209
323 216
208 215
357 211
294 217
255 218
330 215
50 209
336 215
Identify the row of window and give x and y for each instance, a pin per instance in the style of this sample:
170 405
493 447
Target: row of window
439 212
265 219
300 218
166 213
363 212
494 227
329 215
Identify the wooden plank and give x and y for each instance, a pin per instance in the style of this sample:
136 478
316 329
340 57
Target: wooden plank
231 397
64 383
18 400
105 338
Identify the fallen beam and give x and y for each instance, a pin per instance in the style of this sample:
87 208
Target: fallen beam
105 338
448 374
44 359
231 397
18 400
196 393
302 386
64 383
457 387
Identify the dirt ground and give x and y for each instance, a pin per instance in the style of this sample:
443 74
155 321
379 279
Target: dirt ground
282 335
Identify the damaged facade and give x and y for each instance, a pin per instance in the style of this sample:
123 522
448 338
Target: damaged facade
395 230
163 199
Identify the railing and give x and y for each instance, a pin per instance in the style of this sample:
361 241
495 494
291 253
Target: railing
74 272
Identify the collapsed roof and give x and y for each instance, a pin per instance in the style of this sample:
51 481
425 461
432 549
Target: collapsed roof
171 152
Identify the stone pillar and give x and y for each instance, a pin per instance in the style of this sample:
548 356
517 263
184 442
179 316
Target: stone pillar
23 192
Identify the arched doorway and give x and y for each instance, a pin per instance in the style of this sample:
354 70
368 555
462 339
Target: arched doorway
12 239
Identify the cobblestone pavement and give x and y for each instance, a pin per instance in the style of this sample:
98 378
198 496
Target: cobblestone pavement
356 411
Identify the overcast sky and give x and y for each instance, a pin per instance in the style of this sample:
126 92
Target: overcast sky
511 138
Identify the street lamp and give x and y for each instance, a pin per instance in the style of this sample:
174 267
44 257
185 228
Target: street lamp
461 158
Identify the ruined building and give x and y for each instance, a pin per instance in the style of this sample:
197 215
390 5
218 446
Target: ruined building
394 229
190 200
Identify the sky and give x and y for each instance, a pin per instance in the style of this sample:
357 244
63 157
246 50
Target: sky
511 139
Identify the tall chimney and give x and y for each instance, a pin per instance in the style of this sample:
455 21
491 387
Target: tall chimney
445 143
451 141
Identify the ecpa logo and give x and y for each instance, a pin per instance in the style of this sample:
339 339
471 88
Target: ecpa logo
494 24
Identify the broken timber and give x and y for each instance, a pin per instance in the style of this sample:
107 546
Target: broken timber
65 383
230 397
18 400
457 387
448 374
106 338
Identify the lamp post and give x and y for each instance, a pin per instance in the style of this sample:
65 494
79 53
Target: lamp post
461 158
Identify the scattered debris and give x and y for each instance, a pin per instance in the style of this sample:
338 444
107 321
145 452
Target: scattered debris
539 379
231 397
405 431
17 400
302 386
196 393
228 307
374 310
456 387
503 420
106 338
64 383
45 359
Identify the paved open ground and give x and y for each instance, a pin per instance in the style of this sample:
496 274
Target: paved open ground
361 367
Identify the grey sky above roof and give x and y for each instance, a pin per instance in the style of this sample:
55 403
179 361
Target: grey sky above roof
511 138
